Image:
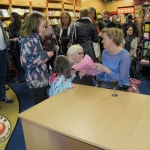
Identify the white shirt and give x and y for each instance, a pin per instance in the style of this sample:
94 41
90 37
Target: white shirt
2 40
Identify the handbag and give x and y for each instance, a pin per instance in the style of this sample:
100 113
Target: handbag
73 36
133 86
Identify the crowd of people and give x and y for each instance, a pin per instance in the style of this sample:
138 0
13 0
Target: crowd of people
44 56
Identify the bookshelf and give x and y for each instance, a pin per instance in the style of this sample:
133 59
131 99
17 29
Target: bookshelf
54 12
124 11
51 8
146 27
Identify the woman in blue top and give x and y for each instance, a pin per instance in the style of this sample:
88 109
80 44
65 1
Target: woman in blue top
115 60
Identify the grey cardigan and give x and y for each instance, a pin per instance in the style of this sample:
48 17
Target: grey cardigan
5 35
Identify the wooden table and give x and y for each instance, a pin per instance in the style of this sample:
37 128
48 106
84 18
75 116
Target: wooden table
88 118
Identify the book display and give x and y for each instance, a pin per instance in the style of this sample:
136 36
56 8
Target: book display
124 11
50 8
146 26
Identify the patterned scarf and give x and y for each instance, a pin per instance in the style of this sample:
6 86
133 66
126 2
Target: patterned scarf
128 40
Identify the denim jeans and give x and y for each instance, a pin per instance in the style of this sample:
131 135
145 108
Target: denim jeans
3 71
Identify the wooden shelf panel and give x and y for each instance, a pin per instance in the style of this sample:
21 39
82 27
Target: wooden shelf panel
20 2
54 16
69 7
69 2
55 5
4 18
77 8
4 2
40 4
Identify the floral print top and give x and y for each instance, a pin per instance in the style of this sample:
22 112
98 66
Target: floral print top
33 59
59 83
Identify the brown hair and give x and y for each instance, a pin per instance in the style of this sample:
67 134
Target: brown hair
62 66
70 18
105 12
115 34
31 24
84 12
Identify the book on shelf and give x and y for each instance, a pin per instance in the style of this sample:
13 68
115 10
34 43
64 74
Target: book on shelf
6 23
20 11
146 43
54 13
146 27
4 13
71 13
55 21
146 35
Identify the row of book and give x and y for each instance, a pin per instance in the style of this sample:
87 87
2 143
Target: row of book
54 13
126 10
55 21
146 44
6 23
20 11
147 27
147 36
4 13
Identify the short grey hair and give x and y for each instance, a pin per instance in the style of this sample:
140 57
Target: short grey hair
71 50
84 12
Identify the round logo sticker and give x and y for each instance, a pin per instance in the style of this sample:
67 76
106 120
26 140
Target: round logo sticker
5 128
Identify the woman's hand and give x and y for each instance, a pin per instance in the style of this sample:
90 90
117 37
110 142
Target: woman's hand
100 67
14 39
50 54
73 85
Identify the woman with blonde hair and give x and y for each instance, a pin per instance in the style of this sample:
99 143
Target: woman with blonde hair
115 60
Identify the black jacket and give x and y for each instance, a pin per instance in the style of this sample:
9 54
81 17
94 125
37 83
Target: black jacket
86 35
5 35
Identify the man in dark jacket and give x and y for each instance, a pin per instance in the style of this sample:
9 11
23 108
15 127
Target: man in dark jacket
130 23
106 23
4 43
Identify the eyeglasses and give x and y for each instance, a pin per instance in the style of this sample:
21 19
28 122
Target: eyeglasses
80 53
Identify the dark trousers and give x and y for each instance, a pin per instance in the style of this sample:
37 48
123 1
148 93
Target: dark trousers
18 65
3 71
40 95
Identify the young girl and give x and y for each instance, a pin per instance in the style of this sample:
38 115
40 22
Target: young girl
62 78
32 56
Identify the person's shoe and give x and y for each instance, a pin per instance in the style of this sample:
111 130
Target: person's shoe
6 88
6 100
19 81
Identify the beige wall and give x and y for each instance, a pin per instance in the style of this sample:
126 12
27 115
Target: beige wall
117 3
99 5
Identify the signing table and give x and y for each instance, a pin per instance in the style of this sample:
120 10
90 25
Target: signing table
88 118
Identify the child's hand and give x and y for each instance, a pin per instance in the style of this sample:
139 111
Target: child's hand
53 36
73 72
96 85
73 85
50 54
